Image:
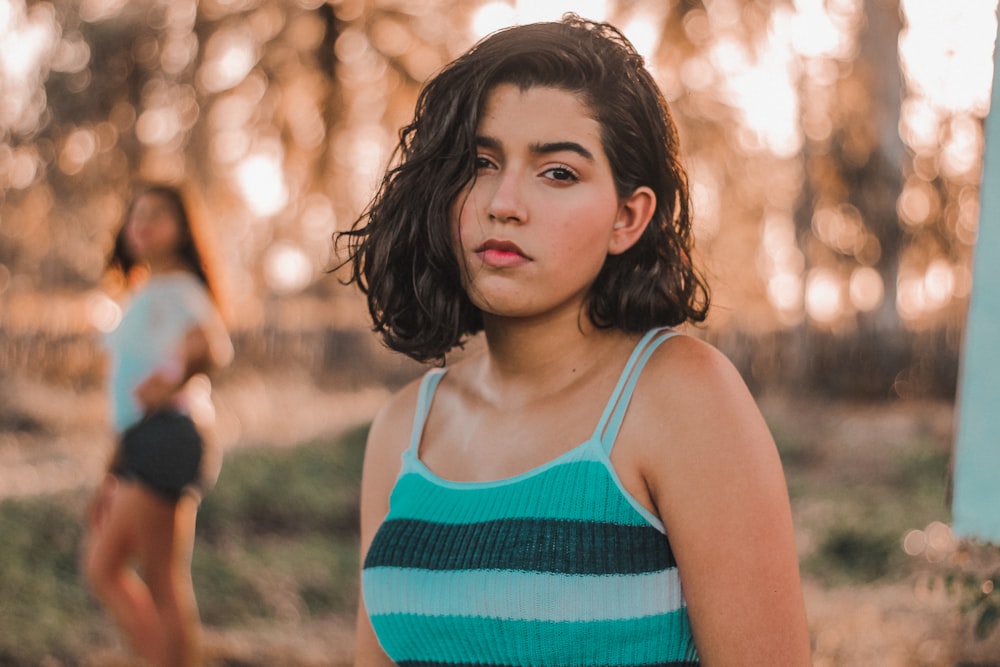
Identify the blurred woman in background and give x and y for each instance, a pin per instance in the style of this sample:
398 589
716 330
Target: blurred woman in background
142 520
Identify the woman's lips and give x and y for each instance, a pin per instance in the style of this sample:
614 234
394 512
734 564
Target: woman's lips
501 254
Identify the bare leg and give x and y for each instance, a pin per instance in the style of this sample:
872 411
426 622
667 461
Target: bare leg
165 555
107 565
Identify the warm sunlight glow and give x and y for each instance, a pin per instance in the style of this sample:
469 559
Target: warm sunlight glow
924 293
531 11
26 39
704 199
962 150
262 184
644 31
762 86
762 80
784 291
840 228
230 54
939 283
93 11
817 31
287 269
915 203
946 51
158 126
18 167
866 289
781 262
72 54
365 152
79 148
824 295
493 16
102 312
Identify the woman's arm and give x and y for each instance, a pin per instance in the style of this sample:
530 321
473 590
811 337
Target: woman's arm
388 438
717 483
204 349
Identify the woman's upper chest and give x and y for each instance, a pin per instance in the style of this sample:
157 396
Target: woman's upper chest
467 439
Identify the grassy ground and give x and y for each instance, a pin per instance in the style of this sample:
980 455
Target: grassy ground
275 563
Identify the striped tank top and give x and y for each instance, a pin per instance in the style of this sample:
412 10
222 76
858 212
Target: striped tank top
557 566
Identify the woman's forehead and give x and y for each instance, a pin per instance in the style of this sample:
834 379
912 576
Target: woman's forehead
539 113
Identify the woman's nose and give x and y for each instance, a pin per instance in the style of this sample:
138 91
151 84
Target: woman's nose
507 201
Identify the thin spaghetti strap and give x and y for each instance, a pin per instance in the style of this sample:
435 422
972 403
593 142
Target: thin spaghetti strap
626 372
614 413
426 394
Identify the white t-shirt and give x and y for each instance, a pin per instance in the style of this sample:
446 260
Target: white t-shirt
151 334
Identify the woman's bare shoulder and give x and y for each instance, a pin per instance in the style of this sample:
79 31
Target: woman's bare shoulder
393 423
686 372
694 395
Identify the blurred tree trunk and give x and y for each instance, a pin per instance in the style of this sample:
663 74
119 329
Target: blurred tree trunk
861 166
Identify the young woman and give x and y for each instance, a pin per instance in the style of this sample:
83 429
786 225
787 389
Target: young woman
144 510
593 488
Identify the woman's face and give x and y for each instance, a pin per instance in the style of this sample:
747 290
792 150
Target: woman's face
533 228
152 231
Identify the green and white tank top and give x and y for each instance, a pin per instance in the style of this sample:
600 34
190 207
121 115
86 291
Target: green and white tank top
558 566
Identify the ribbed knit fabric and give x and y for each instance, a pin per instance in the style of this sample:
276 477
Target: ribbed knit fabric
556 567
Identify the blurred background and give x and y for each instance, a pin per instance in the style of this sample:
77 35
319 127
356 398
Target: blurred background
835 153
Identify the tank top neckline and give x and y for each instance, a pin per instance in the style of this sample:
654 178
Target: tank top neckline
600 441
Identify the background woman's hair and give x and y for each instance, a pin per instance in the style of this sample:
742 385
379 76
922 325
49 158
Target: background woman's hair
400 249
122 260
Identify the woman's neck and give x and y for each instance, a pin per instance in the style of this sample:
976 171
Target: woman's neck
542 358
165 265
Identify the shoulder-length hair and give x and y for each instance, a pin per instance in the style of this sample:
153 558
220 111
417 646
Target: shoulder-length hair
400 249
188 252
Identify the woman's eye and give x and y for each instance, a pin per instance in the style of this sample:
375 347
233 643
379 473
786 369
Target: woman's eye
483 162
563 174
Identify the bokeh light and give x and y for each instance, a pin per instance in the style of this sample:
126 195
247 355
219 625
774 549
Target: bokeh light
287 268
261 181
230 54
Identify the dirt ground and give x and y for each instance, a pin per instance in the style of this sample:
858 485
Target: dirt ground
914 622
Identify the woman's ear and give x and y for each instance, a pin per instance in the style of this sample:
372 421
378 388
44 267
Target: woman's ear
634 214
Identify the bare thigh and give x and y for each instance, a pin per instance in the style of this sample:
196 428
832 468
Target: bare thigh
139 525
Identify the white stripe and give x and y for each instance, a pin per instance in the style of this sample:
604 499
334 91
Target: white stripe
520 595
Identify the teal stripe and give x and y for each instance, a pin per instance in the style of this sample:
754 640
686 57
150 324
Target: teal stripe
598 497
437 663
528 596
650 640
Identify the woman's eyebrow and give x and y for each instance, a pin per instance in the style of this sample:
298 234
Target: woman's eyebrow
559 147
539 148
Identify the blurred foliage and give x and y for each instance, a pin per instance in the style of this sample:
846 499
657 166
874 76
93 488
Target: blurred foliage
859 482
834 151
251 564
857 553
42 597
312 488
279 533
980 599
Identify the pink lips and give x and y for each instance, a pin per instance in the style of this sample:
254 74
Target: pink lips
501 254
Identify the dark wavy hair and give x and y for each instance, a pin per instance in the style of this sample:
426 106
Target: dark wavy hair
400 250
122 260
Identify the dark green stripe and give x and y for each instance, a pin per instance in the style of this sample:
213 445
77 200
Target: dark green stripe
532 545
